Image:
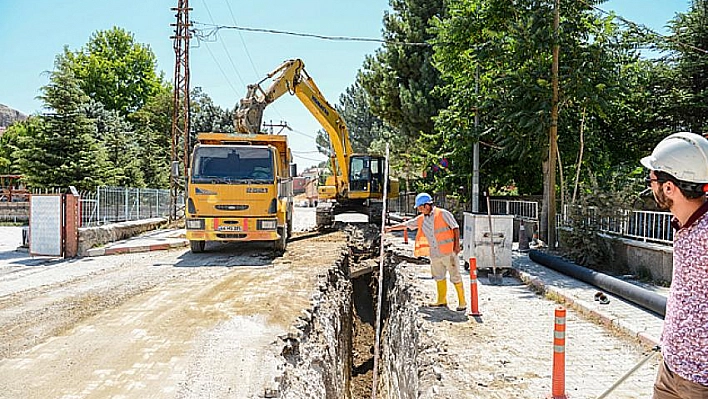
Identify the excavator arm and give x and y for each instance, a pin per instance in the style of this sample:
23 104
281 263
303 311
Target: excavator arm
291 77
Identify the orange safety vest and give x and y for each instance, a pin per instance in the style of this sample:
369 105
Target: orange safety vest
444 236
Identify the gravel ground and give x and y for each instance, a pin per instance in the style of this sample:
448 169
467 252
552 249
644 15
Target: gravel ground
158 324
507 352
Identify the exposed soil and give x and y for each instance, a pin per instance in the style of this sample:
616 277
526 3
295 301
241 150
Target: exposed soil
159 324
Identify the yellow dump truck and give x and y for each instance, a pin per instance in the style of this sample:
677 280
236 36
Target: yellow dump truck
239 189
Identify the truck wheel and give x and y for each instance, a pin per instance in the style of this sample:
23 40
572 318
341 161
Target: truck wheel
197 246
282 242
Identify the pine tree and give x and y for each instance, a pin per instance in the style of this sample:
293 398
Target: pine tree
117 137
63 151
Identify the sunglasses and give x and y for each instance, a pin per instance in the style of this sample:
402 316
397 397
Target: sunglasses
648 180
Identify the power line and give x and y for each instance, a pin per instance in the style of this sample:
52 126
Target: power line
214 29
645 28
221 69
311 159
245 48
233 65
306 152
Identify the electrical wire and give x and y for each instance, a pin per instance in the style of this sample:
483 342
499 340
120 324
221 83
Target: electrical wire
220 69
245 48
310 159
214 29
645 28
228 54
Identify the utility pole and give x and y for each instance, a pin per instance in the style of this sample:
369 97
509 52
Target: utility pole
475 149
553 133
180 103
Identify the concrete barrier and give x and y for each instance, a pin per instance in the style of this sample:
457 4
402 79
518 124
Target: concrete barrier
90 237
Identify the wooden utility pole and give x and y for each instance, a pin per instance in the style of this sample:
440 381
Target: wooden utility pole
553 133
180 103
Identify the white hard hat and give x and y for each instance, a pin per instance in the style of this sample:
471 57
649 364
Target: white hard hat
682 155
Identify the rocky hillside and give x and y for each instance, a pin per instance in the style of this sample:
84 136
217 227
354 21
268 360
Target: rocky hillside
9 115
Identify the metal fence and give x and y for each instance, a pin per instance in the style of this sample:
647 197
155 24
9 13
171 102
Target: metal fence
524 210
120 204
646 226
405 204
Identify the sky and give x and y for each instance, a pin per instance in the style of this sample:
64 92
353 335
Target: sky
33 32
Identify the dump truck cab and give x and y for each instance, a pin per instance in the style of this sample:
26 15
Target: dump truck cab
239 189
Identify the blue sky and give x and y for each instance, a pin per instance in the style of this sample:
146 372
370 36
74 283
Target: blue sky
33 32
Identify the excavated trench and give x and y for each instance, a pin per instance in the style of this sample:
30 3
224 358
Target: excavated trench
330 352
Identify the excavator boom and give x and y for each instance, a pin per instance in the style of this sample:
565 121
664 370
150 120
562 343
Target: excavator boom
357 179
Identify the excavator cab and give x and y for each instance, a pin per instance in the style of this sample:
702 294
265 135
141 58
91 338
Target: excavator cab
367 174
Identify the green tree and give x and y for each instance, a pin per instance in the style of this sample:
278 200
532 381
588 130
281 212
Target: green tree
207 116
153 123
363 126
10 142
116 136
401 80
115 70
689 43
505 50
64 150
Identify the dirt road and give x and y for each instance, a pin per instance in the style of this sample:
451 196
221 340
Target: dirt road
158 324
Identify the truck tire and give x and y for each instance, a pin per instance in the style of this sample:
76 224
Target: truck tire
197 246
281 243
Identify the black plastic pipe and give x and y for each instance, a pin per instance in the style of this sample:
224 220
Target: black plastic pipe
640 296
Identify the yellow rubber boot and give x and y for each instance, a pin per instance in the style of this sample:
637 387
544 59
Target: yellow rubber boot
442 294
460 297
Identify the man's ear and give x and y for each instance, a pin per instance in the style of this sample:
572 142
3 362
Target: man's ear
669 187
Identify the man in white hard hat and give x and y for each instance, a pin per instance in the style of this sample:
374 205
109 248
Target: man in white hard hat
439 238
678 177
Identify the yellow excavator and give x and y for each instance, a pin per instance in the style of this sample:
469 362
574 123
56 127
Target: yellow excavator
357 180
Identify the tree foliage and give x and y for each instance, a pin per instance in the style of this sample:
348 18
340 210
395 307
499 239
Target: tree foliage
64 150
10 143
115 70
689 45
401 80
153 124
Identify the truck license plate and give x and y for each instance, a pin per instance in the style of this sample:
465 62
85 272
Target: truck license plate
229 228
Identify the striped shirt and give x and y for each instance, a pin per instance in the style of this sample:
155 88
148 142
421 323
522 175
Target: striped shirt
429 228
685 335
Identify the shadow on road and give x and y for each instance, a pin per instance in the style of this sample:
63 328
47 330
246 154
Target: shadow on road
230 254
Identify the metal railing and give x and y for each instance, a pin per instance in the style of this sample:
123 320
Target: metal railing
646 226
525 210
120 204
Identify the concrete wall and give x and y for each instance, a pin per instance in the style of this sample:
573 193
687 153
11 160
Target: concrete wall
645 258
90 237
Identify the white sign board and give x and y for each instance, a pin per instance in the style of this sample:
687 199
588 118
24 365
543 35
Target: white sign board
45 225
477 240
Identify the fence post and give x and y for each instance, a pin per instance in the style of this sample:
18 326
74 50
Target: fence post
125 211
98 205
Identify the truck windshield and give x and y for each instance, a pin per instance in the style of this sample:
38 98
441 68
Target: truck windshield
232 165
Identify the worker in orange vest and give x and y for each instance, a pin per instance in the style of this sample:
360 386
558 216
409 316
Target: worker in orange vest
441 242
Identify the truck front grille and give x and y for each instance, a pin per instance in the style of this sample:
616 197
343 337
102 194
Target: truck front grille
231 235
231 207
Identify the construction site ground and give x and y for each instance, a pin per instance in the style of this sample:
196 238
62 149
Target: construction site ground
172 324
